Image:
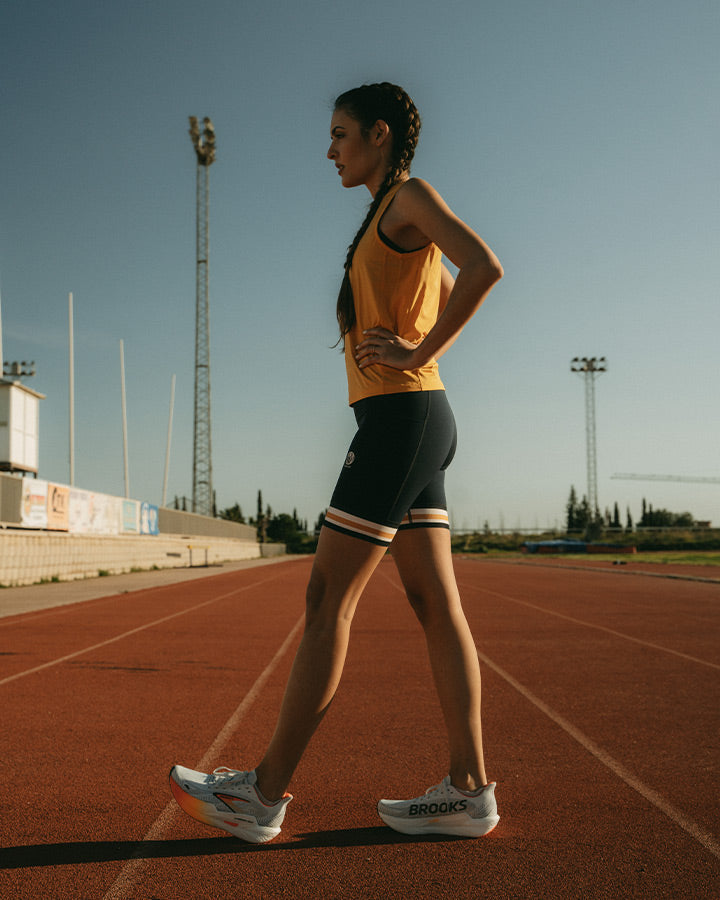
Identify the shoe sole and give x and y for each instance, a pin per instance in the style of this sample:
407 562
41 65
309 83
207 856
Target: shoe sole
246 829
453 826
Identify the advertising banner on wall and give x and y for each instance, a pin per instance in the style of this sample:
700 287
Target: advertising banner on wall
149 519
80 512
130 516
92 513
58 507
33 513
107 514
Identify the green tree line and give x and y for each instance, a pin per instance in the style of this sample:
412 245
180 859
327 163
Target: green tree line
580 518
280 528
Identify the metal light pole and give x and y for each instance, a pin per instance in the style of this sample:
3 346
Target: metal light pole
589 367
202 496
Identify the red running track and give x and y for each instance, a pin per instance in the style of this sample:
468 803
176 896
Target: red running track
601 716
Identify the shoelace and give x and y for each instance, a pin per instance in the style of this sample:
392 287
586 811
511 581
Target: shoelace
224 775
445 786
436 789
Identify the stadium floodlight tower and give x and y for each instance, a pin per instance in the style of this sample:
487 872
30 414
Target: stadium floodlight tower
202 495
589 368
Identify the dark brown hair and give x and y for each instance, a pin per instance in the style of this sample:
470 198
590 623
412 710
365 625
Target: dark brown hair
366 105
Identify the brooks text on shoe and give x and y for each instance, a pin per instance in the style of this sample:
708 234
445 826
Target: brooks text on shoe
443 810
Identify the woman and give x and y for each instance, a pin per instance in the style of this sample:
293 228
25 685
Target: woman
399 309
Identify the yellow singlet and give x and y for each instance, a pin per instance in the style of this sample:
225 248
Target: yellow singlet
399 291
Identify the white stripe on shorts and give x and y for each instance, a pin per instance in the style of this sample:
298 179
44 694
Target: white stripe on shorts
342 521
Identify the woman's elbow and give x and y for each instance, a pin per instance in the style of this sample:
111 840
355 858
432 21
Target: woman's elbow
495 267
484 271
491 270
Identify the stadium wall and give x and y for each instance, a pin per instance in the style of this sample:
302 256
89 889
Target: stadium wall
53 532
174 521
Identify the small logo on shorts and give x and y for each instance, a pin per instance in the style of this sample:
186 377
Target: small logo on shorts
349 459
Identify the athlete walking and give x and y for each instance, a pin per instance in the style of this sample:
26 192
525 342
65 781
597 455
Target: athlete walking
399 309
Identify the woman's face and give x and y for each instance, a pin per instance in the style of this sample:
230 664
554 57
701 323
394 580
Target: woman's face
359 158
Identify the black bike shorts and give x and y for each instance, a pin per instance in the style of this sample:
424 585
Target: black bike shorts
394 473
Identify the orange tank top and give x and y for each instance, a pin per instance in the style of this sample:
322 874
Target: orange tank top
399 291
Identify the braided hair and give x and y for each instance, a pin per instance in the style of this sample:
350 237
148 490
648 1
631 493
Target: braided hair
392 105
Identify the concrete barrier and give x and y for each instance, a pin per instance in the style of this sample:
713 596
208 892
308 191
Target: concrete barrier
28 557
30 554
175 521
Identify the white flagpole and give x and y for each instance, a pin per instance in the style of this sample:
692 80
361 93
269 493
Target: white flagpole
124 418
169 437
71 387
2 358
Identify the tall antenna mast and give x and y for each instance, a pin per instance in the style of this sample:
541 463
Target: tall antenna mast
589 367
202 495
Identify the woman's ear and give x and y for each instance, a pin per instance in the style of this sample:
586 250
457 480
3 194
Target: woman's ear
381 132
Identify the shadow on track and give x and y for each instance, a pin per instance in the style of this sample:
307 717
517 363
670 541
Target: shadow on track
79 852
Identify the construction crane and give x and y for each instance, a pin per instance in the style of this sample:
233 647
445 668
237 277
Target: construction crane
626 476
202 494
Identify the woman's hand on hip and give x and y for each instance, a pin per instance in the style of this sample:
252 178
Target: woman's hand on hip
382 347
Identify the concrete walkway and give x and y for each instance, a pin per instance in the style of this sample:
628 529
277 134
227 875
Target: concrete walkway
28 598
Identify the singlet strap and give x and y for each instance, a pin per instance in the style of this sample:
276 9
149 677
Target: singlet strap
382 209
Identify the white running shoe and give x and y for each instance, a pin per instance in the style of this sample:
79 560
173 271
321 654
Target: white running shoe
443 810
228 799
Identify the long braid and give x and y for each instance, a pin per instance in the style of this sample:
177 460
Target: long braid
367 104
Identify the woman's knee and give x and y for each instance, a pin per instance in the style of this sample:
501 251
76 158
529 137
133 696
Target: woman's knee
425 604
340 572
315 597
423 613
432 602
325 605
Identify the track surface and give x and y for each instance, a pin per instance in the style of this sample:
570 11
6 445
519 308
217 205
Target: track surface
601 722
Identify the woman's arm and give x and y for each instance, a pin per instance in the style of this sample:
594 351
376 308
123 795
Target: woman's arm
422 216
447 283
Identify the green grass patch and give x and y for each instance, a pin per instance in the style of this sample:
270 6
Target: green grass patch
695 547
678 558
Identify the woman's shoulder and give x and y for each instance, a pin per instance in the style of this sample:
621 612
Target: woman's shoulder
416 187
418 204
417 193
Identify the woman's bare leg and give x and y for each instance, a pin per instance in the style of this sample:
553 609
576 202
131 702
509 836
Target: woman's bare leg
342 568
424 560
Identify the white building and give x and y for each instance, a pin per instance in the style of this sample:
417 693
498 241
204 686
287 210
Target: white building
19 427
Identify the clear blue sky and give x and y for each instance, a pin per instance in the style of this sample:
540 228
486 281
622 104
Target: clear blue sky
580 139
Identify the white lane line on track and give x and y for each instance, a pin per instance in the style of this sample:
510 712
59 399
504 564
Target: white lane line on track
125 634
659 802
123 886
620 634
